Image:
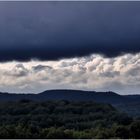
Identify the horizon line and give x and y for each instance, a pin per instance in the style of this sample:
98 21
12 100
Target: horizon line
4 92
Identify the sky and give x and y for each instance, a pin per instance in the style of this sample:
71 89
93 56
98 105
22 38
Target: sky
70 45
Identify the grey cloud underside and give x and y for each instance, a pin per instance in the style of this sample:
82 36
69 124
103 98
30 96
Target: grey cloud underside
54 30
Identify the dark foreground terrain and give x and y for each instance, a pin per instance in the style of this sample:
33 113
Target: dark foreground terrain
69 114
65 119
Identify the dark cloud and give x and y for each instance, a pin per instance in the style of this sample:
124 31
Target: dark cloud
17 71
41 67
110 74
53 30
20 71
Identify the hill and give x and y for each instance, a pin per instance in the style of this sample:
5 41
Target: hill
71 95
126 103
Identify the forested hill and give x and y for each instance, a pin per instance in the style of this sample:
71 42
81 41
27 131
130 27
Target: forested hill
71 95
126 103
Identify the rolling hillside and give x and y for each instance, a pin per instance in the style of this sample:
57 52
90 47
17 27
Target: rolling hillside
71 95
126 103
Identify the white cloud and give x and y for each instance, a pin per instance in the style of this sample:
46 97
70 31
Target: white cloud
121 74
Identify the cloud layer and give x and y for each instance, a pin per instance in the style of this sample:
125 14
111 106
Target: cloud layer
94 72
55 30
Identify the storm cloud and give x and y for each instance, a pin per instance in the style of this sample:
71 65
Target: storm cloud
54 30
